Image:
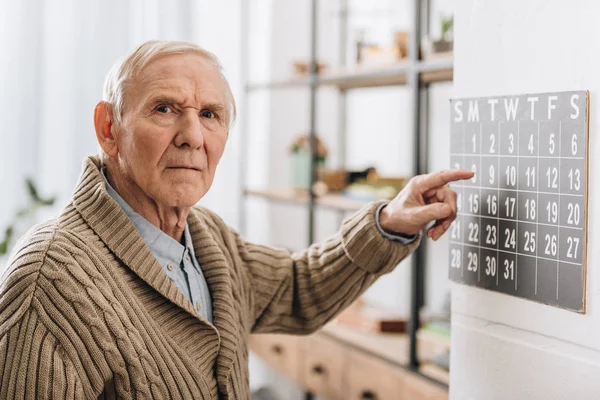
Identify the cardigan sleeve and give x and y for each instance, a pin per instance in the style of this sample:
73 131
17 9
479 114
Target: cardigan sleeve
300 292
42 355
34 365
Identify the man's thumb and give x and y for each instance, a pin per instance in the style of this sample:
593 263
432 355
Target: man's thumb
434 212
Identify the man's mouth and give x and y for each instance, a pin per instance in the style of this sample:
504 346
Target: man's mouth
185 167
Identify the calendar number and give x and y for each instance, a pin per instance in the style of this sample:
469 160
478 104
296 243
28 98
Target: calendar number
510 206
574 214
472 266
509 270
530 209
492 204
455 231
574 179
474 170
511 175
473 232
511 241
530 145
490 266
491 235
573 244
511 143
474 140
552 175
474 203
492 175
551 245
455 258
574 145
492 143
529 245
551 144
530 176
552 209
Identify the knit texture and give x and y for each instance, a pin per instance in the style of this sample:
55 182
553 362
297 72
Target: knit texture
86 311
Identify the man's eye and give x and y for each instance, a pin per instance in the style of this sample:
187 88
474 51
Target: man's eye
208 114
163 109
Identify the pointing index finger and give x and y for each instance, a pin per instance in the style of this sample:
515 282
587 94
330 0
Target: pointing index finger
438 179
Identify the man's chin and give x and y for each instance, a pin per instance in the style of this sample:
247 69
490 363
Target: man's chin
182 198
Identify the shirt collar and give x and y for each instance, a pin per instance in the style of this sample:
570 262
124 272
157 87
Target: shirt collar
166 249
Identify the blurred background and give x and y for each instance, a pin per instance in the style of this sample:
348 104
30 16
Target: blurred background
361 101
367 83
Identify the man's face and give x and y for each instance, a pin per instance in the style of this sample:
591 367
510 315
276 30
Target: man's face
174 129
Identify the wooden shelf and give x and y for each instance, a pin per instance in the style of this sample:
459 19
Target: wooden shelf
332 201
367 77
438 68
393 347
280 84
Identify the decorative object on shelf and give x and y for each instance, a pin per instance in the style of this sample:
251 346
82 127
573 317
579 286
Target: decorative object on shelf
376 54
445 42
35 203
303 68
365 185
338 180
401 44
374 187
301 158
369 318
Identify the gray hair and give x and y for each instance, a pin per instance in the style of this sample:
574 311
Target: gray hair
125 71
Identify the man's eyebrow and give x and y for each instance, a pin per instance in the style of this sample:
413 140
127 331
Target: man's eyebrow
168 99
162 98
216 106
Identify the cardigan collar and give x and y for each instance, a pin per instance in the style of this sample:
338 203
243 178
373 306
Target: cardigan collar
112 225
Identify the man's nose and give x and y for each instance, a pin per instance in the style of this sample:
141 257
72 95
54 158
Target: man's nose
191 131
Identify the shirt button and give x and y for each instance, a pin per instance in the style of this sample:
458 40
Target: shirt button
170 267
198 307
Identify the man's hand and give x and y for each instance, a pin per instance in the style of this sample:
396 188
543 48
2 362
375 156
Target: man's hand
424 199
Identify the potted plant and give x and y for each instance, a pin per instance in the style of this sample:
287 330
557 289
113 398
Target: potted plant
445 42
301 158
23 218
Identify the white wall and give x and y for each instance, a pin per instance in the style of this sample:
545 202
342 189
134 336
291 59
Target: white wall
504 347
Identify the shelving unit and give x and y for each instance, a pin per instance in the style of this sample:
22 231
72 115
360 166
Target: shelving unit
413 73
331 201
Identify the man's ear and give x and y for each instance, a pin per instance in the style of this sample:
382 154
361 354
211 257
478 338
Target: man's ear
104 124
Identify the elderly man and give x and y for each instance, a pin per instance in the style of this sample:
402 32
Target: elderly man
133 292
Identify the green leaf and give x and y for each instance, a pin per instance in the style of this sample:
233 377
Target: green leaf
8 234
32 189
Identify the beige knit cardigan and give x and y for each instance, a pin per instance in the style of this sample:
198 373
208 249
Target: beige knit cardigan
86 311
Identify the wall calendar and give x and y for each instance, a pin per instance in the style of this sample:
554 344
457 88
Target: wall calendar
521 227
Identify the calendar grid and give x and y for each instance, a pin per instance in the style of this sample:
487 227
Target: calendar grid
537 226
517 253
520 227
517 217
510 156
530 191
559 154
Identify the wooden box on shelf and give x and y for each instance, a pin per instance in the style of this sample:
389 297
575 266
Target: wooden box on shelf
373 319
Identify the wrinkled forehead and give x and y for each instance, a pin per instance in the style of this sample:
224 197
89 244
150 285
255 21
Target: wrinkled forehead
186 75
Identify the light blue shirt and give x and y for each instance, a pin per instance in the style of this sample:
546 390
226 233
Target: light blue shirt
178 260
397 237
